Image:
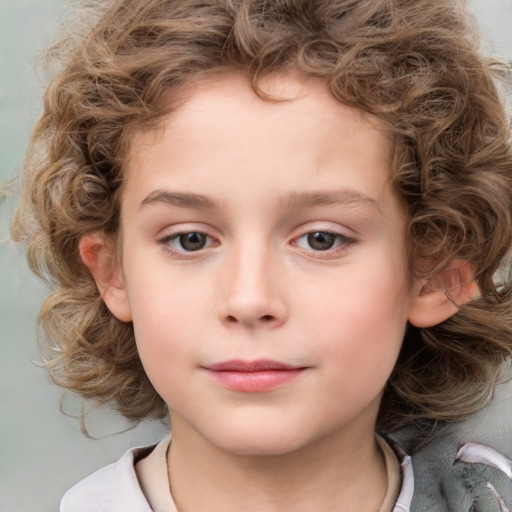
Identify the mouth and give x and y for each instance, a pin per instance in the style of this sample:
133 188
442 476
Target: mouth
253 376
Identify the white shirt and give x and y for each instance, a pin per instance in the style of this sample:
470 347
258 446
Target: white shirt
138 482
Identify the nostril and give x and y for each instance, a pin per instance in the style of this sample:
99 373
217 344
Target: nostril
264 318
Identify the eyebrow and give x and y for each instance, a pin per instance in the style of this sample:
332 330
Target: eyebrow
292 200
180 199
296 200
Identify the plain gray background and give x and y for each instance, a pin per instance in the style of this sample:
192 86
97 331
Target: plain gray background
42 452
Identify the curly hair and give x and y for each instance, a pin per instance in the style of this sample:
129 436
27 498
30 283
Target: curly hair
414 65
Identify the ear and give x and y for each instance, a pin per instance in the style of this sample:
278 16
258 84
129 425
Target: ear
439 297
99 256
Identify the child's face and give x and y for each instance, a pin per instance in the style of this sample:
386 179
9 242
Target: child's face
265 231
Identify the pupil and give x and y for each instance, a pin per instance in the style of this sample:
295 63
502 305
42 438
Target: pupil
192 241
321 241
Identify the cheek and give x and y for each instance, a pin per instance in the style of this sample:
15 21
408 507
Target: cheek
164 353
357 301
164 321
358 325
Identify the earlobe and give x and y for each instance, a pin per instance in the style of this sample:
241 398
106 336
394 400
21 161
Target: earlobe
439 297
99 256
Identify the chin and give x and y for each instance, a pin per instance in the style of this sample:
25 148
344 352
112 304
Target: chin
259 442
256 448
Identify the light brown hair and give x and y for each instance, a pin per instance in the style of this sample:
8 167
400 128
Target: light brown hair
413 64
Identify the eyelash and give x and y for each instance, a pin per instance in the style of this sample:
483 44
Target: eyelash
167 243
344 243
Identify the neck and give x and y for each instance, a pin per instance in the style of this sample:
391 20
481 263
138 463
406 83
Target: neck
344 472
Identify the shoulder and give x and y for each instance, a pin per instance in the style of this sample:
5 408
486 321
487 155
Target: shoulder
463 478
113 488
464 467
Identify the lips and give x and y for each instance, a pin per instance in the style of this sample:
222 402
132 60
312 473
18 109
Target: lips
253 376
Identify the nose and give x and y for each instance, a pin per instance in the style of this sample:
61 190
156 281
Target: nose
253 291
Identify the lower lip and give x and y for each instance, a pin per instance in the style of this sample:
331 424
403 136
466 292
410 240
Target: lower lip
258 381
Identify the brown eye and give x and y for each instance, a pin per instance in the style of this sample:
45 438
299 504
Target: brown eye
321 240
324 244
193 241
183 244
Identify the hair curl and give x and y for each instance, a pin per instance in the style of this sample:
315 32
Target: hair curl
414 65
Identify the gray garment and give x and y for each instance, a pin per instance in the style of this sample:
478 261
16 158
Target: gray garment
454 475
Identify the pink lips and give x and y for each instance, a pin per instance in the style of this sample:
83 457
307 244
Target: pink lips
253 376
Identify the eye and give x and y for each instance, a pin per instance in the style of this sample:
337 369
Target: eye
190 241
322 241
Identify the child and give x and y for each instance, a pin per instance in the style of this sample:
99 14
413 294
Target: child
280 224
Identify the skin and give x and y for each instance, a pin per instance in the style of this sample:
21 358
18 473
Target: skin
269 174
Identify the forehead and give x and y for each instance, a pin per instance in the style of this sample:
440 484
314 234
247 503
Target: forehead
223 103
223 132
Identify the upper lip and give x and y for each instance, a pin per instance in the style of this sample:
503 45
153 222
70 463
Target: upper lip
260 365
